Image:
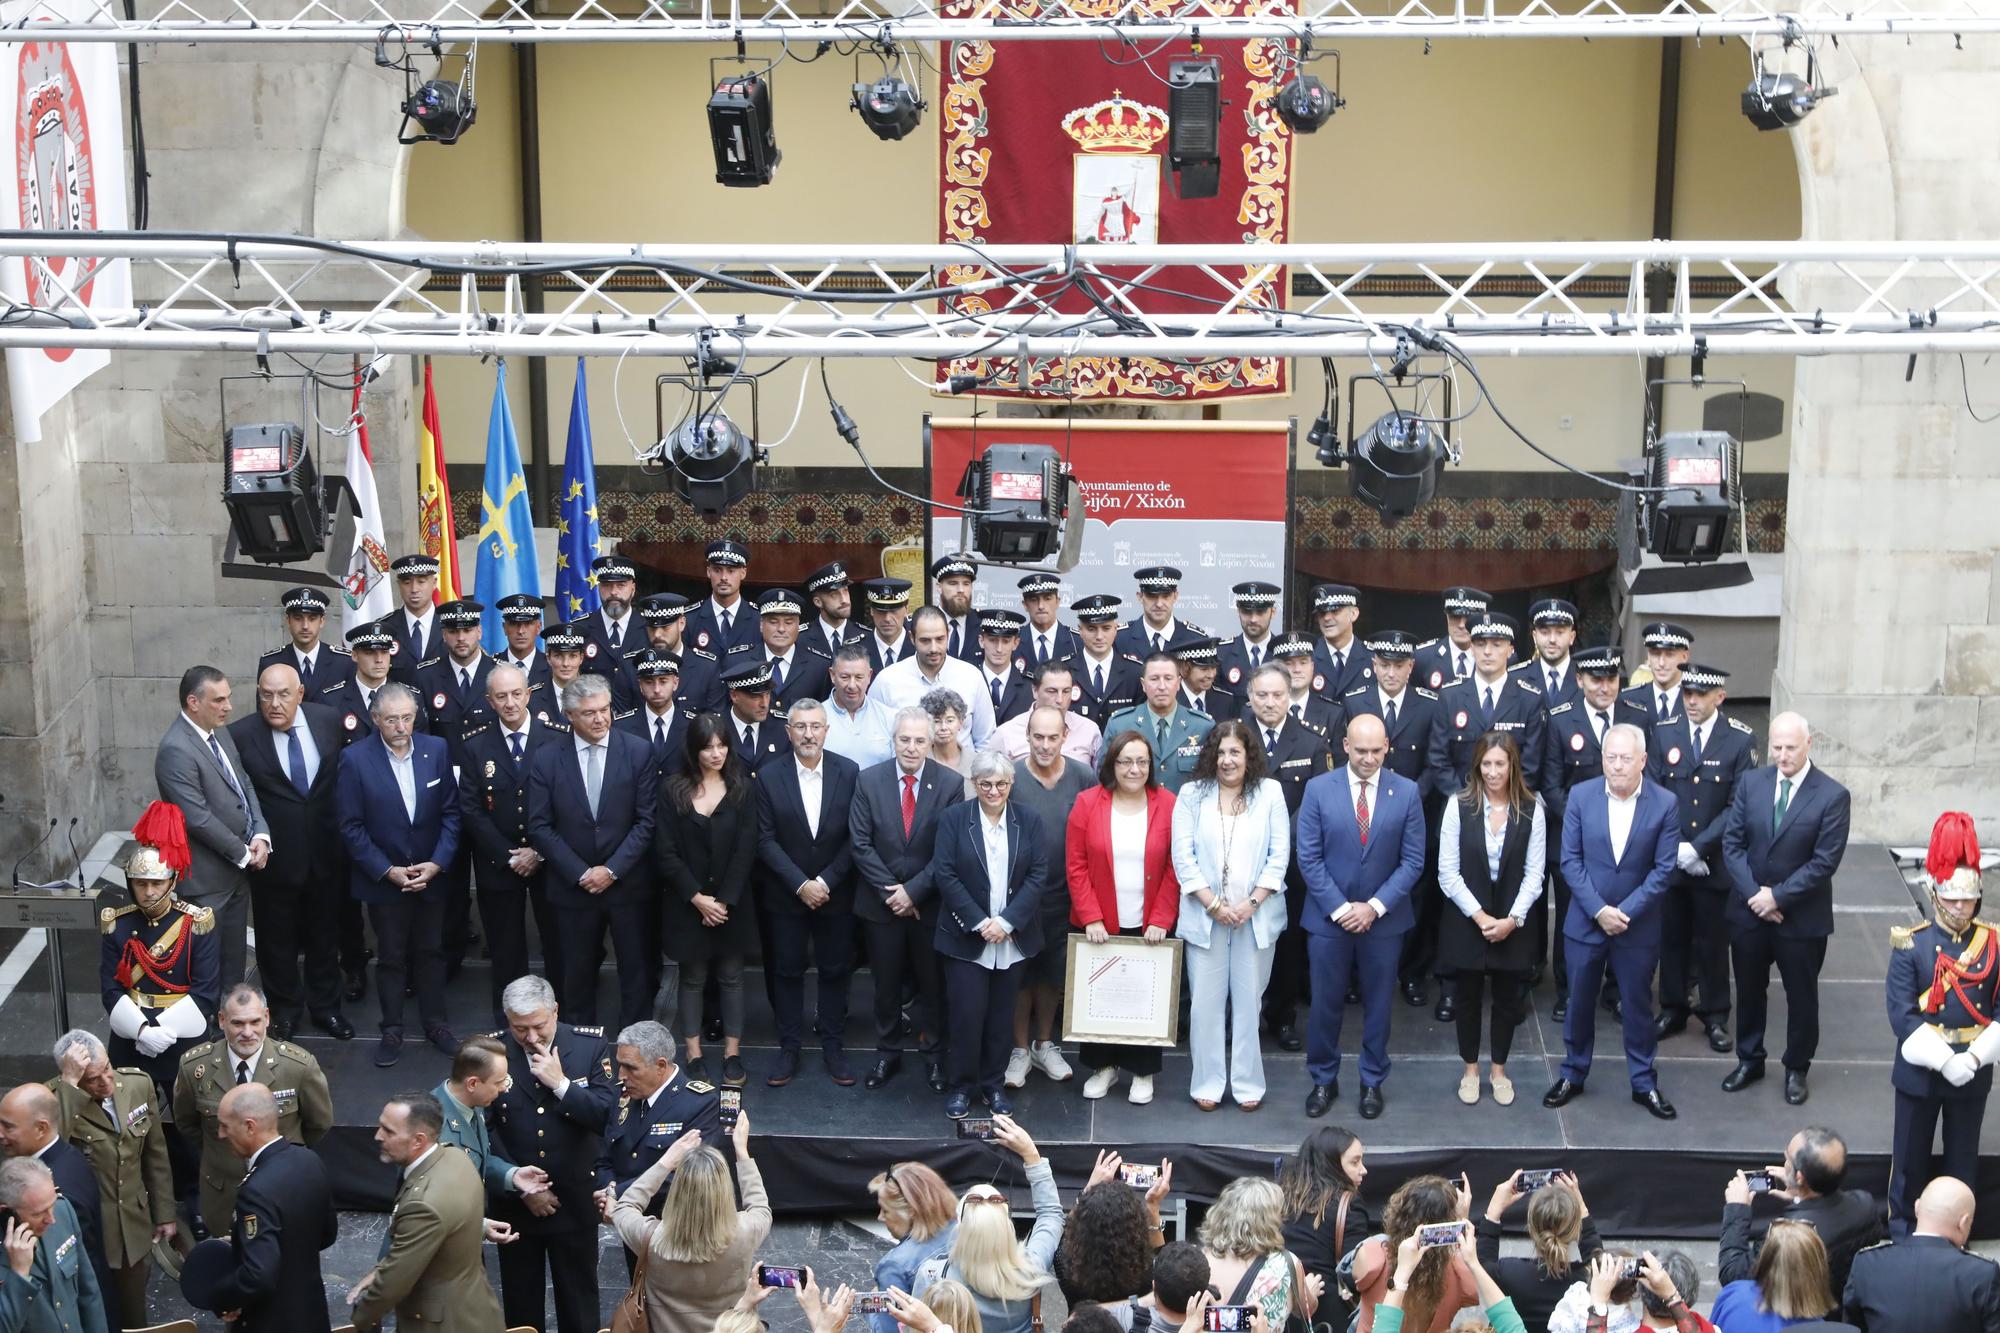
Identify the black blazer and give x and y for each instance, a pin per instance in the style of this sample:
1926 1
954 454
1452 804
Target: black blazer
962 879
1922 1282
561 828
716 861
790 853
1409 740
882 855
276 1281
1847 1221
493 798
305 830
1797 862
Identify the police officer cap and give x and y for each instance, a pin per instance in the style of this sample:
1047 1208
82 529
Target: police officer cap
1666 634
830 575
1552 611
1392 645
1034 585
953 567
726 552
663 608
411 566
520 607
1157 578
309 600
1600 661
372 634
653 662
1255 593
615 568
1001 623
1699 678
1100 608
203 1271
1465 602
567 638
1493 625
1193 648
1290 644
780 602
461 613
744 668
886 593
1334 596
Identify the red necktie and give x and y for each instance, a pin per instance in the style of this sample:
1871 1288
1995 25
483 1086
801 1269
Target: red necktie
909 803
1361 812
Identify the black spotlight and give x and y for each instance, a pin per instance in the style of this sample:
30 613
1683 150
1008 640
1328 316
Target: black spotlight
1696 476
443 109
741 129
1305 103
1396 463
1194 141
889 107
1780 99
1029 506
272 492
713 463
438 109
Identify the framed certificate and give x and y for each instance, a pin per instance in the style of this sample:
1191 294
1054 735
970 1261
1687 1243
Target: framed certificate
1122 992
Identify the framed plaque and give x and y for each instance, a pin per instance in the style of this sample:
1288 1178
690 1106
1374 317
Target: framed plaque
1122 992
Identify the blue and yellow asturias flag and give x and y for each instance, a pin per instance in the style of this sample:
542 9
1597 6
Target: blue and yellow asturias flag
579 540
506 524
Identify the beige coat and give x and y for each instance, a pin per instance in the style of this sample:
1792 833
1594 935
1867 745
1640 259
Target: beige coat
434 1275
208 1072
128 1151
683 1297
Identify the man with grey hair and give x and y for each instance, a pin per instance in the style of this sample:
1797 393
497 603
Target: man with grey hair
59 1274
661 1105
591 806
112 1117
398 804
29 1120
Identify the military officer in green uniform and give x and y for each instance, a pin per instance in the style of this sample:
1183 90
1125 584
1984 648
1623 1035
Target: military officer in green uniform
478 1077
59 1292
1175 732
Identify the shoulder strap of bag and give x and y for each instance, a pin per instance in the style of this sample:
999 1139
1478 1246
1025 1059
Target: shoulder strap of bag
1340 1226
1243 1283
1035 1312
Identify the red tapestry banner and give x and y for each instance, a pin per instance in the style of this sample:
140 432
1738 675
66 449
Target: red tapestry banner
1066 143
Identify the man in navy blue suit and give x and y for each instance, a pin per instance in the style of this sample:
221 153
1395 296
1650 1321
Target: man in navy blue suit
591 807
1786 835
1361 850
398 804
1620 841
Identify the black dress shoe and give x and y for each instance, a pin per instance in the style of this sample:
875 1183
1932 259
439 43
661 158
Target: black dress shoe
283 1028
335 1026
1289 1039
1656 1104
1320 1099
1561 1011
1371 1103
1414 994
1718 1038
1796 1091
882 1072
787 1069
1741 1077
934 1075
958 1106
836 1067
1447 1007
697 1067
1561 1093
357 986
1667 1025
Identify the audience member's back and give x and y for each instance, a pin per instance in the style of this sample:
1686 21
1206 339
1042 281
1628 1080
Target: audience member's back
1926 1281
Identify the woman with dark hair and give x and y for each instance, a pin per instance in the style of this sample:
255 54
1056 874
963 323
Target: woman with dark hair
1492 846
1443 1283
1558 1221
1108 1241
1232 842
1325 1219
704 849
1121 882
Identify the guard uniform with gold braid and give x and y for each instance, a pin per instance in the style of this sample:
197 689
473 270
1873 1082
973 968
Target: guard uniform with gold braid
1942 993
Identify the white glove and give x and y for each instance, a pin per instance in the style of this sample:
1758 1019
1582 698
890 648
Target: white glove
1986 1046
153 1040
1690 862
1926 1048
183 1018
127 1019
1958 1070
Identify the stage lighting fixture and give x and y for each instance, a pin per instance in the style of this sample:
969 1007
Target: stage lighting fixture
1779 99
741 129
889 107
272 492
713 463
1305 103
1194 111
1396 463
1029 506
439 108
1696 479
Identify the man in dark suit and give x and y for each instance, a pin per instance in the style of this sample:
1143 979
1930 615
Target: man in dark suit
1293 756
1807 1185
954 576
284 1217
1553 624
291 753
452 689
320 666
893 824
1044 638
807 892
415 621
1360 850
1618 848
1106 680
398 807
1926 1280
30 1121
659 720
493 806
614 636
888 640
1786 835
591 805
1668 647
197 768
723 619
1001 665
1339 661
758 735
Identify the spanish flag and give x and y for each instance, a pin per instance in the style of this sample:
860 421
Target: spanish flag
436 535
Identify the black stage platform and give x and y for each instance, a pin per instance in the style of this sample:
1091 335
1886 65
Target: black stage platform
818 1143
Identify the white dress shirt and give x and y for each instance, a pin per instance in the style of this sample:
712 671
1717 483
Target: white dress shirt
1005 954
811 791
507 734
624 625
1451 873
734 611
1621 813
655 721
1166 635
404 767
236 1061
833 633
904 685
1128 864
1089 666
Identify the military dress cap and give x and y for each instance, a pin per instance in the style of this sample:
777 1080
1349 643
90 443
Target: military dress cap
372 634
726 552
202 1272
1666 634
309 600
564 638
953 566
463 612
1290 644
1256 593
1100 608
1700 678
1334 596
830 575
1194 648
744 668
1000 622
663 608
1600 661
411 566
1466 602
520 607
1552 611
1157 578
614 567
1493 625
653 662
1034 585
887 593
1392 645
781 602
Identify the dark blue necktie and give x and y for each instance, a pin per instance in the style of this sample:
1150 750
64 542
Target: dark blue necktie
1389 715
295 760
1695 732
617 637
306 672
228 774
1486 705
953 649
777 674
993 684
514 739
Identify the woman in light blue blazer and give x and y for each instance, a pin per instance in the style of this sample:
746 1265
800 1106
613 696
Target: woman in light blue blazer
1232 842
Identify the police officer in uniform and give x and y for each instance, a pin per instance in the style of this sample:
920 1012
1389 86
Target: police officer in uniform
1044 638
1698 758
565 646
1668 647
665 616
1943 986
888 641
564 1090
415 621
798 670
1196 654
281 1217
1106 679
1241 654
371 651
724 618
661 720
521 621
1552 621
613 635
954 575
1155 626
159 962
1443 660
832 593
452 685
755 730
1294 754
321 666
658 1105
1339 660
1308 704
1001 665
1572 752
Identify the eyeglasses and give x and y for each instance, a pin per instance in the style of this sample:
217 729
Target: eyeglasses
994 784
1134 761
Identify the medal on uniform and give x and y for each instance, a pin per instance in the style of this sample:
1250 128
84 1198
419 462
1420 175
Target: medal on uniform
437 700
1460 720
1576 742
1674 754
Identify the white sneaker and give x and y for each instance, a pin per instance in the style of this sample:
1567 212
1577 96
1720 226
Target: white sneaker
1049 1059
1142 1089
1100 1083
1017 1068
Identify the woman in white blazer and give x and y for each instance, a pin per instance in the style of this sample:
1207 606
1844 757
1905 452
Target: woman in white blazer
1232 842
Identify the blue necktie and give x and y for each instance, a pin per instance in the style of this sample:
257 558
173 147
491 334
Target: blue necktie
514 739
1696 733
306 672
617 637
777 674
994 684
953 649
1486 705
295 760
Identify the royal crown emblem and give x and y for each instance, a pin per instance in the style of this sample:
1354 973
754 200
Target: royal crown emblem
1119 125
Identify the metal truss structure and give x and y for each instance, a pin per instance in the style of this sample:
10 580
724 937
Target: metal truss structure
1608 299
1140 21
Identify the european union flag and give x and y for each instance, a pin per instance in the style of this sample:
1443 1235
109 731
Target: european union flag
578 539
506 525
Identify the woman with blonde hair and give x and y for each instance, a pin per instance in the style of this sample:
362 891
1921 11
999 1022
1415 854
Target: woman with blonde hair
1790 1284
1558 1219
916 1207
1004 1274
1244 1239
945 1307
696 1256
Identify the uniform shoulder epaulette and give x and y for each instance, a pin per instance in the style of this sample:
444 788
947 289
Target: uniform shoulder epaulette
690 650
1428 694
816 650
334 689
135 1073
1428 643
1530 687
1521 666
336 649
111 914
1133 658
589 1031
620 717
1741 726
470 732
297 1053
428 661
1563 707
1880 1244
1904 937
273 652
202 917
198 1052
555 724
1358 689
699 1085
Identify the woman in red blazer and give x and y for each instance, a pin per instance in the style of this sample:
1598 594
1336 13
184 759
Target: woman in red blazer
1121 881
